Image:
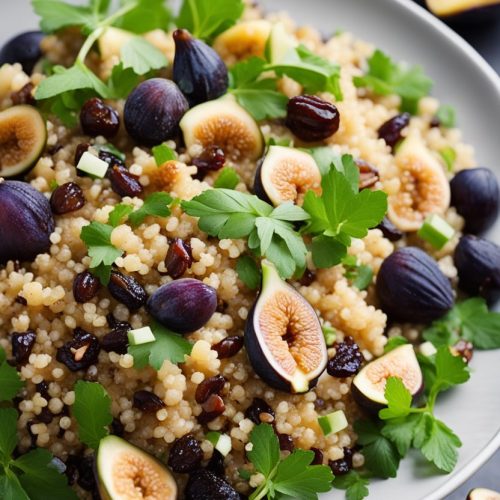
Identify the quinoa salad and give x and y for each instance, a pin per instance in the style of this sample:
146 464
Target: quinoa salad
238 259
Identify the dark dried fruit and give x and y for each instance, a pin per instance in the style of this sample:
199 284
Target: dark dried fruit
147 401
216 464
311 118
318 457
184 305
24 95
45 416
86 475
391 130
110 158
153 111
205 485
465 349
117 339
307 278
211 385
179 258
22 345
343 465
85 287
43 389
117 428
81 352
26 222
127 290
347 360
475 195
83 147
212 408
478 264
258 407
212 159
229 347
97 118
411 287
368 174
389 230
123 182
67 198
185 454
285 441
199 71
24 49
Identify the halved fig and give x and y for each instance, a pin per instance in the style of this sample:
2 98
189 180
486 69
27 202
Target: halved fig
283 336
22 138
126 471
464 11
223 123
368 386
483 494
286 174
424 187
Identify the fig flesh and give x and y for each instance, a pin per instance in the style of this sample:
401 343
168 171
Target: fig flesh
26 222
483 494
22 138
223 123
283 336
369 384
199 71
465 11
286 174
123 469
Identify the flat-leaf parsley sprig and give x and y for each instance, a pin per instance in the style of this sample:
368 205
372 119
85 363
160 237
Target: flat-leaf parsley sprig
293 476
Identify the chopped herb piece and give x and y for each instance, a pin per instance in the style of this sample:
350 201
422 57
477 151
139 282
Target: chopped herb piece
449 155
156 204
360 275
446 115
119 214
92 410
147 16
227 179
248 272
139 55
162 154
10 381
436 231
355 486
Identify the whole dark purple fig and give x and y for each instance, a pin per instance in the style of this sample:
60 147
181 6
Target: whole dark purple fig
475 195
411 287
153 111
26 222
478 264
24 49
199 71
184 305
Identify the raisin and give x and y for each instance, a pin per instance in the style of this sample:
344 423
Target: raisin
85 287
147 401
368 174
311 118
212 385
116 340
391 130
45 416
116 324
389 230
67 198
86 476
216 464
123 182
81 352
21 300
43 389
205 485
24 95
117 428
343 465
254 411
285 441
318 456
212 408
347 360
97 118
127 290
110 158
465 349
72 463
229 347
212 159
178 259
185 454
307 278
435 122
22 345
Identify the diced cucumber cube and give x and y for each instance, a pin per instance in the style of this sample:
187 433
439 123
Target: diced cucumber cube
141 336
221 442
92 165
436 231
333 422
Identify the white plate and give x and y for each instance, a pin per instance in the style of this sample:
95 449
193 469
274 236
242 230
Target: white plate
464 80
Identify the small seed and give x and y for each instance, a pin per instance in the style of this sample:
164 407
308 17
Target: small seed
81 352
229 347
258 407
67 198
85 287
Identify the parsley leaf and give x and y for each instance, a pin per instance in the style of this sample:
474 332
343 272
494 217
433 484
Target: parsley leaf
92 410
155 204
119 214
385 77
207 18
10 381
56 14
248 272
360 275
8 434
399 399
167 345
122 81
446 115
147 16
227 213
97 238
354 484
227 179
142 57
293 476
162 154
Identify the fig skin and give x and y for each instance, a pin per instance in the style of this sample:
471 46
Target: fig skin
153 111
183 305
411 287
478 264
199 71
26 222
24 49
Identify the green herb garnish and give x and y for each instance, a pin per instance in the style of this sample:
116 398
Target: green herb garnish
92 410
168 345
360 275
155 204
446 115
249 272
10 381
292 476
449 155
385 77
162 154
354 484
227 179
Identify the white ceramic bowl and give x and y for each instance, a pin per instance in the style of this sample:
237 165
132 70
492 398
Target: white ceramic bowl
464 80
